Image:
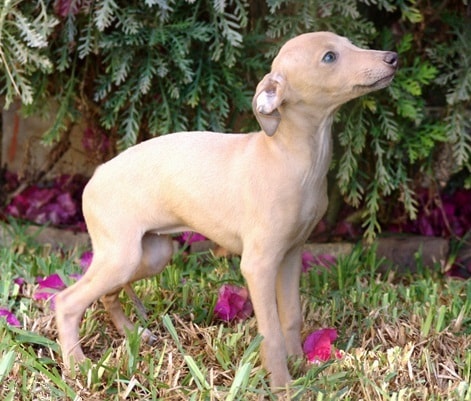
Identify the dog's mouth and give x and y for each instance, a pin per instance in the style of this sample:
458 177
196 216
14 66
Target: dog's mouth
381 83
378 84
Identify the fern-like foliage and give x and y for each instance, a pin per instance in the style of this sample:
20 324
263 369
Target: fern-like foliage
158 67
24 34
455 79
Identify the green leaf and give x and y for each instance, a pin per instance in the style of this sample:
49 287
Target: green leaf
104 13
6 363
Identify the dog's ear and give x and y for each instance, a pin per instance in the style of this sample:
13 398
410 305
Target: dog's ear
268 97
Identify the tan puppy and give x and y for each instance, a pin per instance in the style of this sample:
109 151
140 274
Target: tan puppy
258 195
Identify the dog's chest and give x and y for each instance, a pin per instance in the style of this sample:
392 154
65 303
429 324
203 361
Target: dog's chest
312 207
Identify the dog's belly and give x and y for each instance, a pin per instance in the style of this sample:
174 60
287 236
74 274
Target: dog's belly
228 241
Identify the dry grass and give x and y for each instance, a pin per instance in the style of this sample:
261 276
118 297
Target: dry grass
403 339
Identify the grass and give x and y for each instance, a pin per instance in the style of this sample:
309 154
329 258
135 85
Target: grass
404 338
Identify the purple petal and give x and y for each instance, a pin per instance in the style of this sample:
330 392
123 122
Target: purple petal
53 281
10 317
86 260
323 259
307 260
67 204
425 227
246 311
58 204
318 345
44 295
11 181
312 339
19 281
48 288
76 276
233 302
190 237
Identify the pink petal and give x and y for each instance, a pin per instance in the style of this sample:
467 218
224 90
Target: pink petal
86 260
233 303
318 345
246 307
11 181
190 237
66 204
10 317
307 260
339 354
19 281
323 260
76 276
53 281
49 287
344 228
44 295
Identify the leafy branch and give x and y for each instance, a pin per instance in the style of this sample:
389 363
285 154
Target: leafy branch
22 39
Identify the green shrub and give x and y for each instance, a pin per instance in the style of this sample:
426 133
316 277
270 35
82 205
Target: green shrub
138 69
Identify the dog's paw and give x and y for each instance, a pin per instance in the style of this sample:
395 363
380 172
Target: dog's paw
147 336
72 364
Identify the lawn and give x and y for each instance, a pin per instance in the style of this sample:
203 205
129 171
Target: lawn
400 338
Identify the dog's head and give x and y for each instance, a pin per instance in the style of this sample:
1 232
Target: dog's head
315 73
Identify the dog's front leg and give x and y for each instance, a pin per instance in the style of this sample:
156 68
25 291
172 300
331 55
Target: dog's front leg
260 271
288 300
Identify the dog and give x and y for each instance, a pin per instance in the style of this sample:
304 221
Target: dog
258 195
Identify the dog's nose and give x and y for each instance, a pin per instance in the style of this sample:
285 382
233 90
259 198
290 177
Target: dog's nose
391 59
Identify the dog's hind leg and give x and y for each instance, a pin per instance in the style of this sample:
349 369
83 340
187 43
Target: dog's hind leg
114 262
156 253
117 261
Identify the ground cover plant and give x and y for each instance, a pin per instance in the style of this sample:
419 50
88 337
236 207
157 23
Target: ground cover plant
397 337
131 70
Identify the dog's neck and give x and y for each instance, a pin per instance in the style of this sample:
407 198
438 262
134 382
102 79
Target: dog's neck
310 139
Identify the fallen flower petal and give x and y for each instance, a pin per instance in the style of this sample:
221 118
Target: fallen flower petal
307 259
57 202
19 281
46 295
53 281
318 345
10 317
86 260
48 287
323 259
189 237
233 303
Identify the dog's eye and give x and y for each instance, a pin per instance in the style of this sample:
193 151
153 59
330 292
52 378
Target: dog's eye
329 57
